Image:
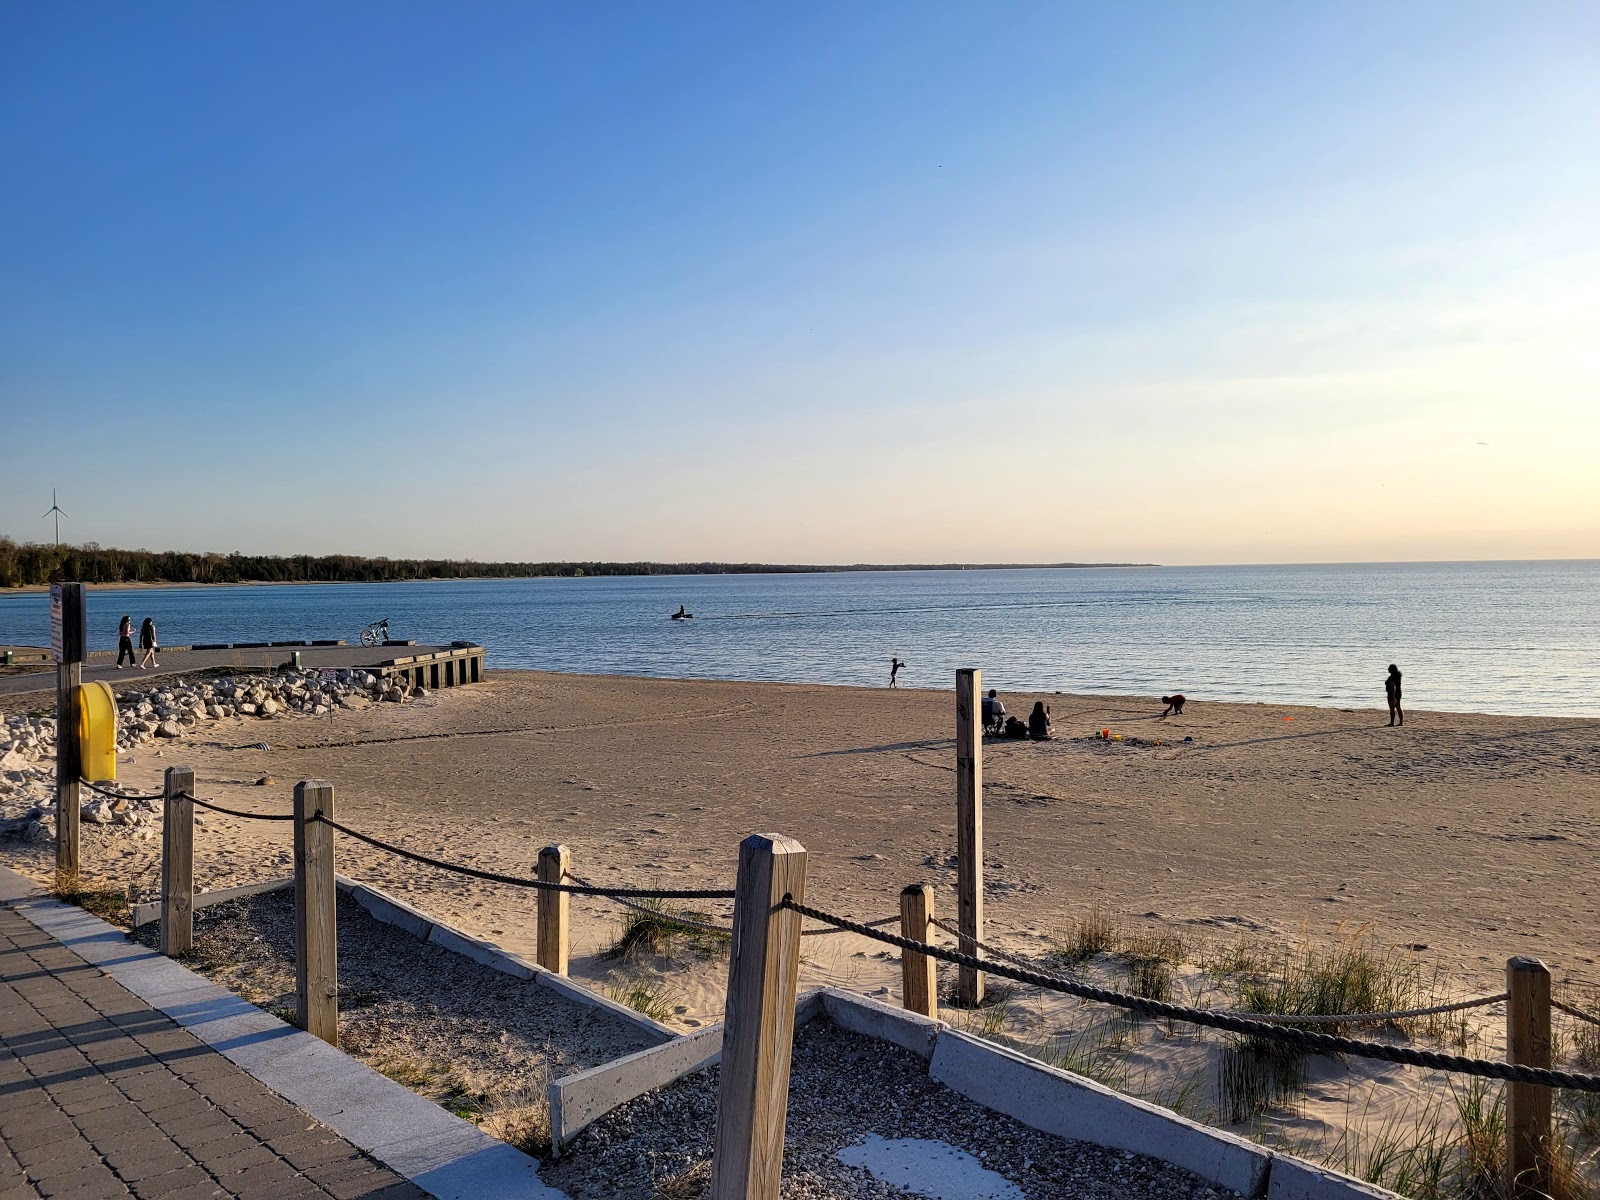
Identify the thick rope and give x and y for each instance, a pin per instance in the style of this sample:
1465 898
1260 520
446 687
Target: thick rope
115 795
1575 1012
708 927
234 812
576 889
1319 1043
1367 1018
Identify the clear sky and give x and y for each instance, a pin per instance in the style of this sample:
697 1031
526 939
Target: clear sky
1219 282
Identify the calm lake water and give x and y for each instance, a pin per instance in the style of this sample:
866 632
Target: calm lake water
1486 637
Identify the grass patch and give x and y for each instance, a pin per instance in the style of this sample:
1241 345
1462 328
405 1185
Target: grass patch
1151 978
643 996
656 928
286 1013
520 1118
406 1072
358 997
692 1183
1091 934
107 905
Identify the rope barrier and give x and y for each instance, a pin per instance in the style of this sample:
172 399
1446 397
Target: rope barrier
1320 1043
576 889
708 927
1575 1012
1367 1018
116 795
234 812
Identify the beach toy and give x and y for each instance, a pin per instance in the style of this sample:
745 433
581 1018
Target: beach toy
1118 738
97 732
1106 733
1288 718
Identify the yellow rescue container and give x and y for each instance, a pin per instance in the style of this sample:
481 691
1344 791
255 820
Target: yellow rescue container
97 732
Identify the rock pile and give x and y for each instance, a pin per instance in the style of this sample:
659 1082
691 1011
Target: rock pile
169 709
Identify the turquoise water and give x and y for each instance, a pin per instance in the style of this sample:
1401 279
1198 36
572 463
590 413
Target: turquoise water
1487 637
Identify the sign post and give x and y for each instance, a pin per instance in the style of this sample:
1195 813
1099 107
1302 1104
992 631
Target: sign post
68 638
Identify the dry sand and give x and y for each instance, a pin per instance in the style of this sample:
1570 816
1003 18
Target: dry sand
1464 838
1472 835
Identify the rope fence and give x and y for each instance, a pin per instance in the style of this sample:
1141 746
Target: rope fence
1320 1043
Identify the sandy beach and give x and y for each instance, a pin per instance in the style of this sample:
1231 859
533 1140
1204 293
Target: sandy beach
1474 836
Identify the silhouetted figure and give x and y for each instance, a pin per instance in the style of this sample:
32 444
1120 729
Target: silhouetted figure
894 670
1391 690
682 614
1174 705
125 641
147 643
1039 727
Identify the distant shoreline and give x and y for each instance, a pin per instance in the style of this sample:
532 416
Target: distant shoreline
739 569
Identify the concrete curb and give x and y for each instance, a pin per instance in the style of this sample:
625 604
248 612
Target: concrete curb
579 1100
393 911
442 1154
144 914
1057 1102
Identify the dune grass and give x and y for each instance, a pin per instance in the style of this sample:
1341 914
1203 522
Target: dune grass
658 929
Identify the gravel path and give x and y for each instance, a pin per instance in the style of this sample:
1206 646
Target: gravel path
842 1087
437 1021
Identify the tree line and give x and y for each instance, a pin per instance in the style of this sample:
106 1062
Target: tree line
32 563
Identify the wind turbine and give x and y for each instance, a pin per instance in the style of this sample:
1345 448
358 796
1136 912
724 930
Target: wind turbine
55 508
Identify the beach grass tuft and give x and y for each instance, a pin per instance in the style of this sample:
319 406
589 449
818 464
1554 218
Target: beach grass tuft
692 1183
106 904
643 996
655 928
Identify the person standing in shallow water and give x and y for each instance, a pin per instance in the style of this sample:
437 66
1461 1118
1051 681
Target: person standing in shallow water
125 641
1391 690
894 670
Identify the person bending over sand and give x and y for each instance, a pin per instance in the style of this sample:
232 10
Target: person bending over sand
1391 690
1174 705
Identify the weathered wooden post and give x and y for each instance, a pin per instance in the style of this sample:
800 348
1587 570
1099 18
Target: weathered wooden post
69 630
177 862
969 831
1528 1104
918 979
316 934
758 1021
555 862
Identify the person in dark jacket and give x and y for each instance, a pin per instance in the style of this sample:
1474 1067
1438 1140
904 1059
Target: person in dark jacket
1039 727
125 641
1391 691
147 643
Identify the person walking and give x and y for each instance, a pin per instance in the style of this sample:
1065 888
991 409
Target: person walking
894 670
1391 691
125 641
147 643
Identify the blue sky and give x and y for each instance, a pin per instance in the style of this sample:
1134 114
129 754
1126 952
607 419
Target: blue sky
1182 283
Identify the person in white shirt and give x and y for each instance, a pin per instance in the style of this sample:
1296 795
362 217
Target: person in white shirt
994 712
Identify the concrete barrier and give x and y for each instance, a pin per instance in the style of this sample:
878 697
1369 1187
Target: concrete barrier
1295 1179
144 914
578 1101
872 1018
1067 1105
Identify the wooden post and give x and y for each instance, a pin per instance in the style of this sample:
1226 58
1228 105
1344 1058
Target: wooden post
758 1022
555 863
316 934
68 635
177 862
918 980
1528 1104
969 831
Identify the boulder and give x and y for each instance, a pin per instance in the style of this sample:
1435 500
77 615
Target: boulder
96 812
268 706
247 709
168 729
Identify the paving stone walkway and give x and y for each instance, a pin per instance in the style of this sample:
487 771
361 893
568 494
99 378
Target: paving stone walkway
103 1096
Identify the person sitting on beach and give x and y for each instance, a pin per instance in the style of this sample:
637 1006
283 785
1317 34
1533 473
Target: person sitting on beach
1174 705
994 712
1039 727
1391 690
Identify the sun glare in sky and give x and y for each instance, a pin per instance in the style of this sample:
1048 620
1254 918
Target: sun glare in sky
891 283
